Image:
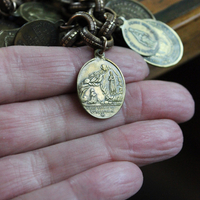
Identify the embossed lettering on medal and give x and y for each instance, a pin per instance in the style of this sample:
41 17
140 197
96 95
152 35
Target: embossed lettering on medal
129 9
171 47
140 37
101 87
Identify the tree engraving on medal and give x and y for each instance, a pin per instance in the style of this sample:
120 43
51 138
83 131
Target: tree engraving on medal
102 90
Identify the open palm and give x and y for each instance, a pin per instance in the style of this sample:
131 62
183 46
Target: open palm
52 149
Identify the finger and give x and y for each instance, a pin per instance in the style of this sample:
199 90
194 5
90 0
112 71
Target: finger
36 124
141 143
28 73
117 180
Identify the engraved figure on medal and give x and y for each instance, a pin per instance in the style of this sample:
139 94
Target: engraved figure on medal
140 36
101 87
170 49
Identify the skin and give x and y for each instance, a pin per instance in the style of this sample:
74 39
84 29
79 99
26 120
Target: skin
52 149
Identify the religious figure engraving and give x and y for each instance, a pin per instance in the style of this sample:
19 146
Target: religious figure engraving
93 96
101 89
143 38
112 85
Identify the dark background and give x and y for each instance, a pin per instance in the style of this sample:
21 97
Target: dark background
178 178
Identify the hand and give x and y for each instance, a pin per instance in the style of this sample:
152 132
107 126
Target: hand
52 149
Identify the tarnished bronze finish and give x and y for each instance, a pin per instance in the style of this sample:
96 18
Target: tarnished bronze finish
38 33
129 9
171 48
7 37
94 41
98 22
70 37
32 11
99 8
86 16
77 6
140 36
109 26
101 87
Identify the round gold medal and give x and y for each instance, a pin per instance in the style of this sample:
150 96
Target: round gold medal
101 87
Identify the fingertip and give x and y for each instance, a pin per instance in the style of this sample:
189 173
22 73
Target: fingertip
121 180
184 101
115 180
189 110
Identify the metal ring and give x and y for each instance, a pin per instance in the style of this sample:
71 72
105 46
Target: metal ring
84 15
105 43
94 41
109 26
99 8
70 37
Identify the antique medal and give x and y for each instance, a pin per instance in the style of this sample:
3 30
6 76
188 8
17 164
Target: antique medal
31 11
101 87
7 37
38 32
100 84
7 32
170 49
129 9
140 36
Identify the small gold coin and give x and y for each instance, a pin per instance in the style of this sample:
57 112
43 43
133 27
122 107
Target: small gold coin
140 36
171 48
101 87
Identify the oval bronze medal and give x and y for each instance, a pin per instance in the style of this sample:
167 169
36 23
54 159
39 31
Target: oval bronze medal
101 87
140 36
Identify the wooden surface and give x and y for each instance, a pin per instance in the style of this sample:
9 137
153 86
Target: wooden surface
184 17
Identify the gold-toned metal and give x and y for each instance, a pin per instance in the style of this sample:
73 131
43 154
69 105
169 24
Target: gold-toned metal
101 87
140 37
171 48
129 9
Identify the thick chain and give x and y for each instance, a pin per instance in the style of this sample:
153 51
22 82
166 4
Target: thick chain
100 23
86 21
